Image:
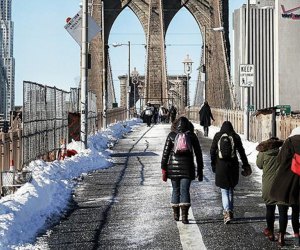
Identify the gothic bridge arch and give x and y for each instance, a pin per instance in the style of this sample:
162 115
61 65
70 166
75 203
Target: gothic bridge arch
155 17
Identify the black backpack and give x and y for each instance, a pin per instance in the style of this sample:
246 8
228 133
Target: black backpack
226 147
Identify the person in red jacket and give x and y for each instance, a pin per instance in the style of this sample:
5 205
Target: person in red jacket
180 167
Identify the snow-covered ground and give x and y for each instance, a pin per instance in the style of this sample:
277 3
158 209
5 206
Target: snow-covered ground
25 212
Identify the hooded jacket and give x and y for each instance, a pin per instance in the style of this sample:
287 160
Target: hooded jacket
267 161
286 184
227 171
205 115
182 165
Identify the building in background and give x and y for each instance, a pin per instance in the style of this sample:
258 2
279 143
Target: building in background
7 79
287 53
261 53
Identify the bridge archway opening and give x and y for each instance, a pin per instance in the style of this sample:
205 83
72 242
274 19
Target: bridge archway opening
126 28
182 39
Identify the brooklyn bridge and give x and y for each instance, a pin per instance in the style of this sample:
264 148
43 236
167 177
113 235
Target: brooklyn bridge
156 85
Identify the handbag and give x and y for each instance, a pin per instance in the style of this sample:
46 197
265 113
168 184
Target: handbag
295 167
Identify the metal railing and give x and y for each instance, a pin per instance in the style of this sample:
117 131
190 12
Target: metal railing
44 124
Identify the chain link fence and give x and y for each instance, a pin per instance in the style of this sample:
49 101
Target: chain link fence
45 118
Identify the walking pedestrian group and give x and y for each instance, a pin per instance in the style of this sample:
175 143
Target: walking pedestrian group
280 182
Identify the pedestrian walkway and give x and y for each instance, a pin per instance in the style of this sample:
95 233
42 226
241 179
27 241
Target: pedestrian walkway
127 206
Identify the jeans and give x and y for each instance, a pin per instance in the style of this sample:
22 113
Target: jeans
227 199
181 191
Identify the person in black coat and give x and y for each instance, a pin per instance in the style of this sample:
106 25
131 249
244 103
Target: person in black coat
286 187
205 117
180 168
227 170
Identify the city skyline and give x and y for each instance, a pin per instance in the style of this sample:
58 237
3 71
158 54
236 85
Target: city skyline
40 39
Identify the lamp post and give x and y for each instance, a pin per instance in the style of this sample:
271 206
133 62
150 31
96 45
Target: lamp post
204 66
128 76
187 63
141 95
247 89
135 80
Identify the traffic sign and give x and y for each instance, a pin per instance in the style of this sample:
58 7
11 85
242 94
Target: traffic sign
283 109
247 74
251 108
74 27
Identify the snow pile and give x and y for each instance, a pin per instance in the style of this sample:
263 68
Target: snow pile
25 212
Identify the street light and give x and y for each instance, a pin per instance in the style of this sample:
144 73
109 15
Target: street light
204 66
128 76
187 63
135 80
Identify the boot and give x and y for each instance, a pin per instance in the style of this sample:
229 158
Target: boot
226 217
176 210
185 214
281 242
269 234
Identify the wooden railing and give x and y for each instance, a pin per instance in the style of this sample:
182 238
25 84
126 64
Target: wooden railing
260 127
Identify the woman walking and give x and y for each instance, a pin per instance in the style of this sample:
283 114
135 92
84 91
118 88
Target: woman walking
225 165
285 187
266 160
178 165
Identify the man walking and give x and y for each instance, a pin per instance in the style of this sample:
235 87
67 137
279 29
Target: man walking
205 117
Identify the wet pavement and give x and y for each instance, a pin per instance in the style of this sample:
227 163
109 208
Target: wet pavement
127 206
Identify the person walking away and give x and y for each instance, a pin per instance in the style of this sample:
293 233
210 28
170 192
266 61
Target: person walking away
173 113
205 117
285 187
266 161
224 161
149 114
177 164
161 114
155 115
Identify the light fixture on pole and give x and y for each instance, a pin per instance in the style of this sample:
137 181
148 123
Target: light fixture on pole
135 80
204 66
128 76
187 63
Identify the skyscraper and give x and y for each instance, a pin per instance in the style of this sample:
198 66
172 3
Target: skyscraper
7 64
260 53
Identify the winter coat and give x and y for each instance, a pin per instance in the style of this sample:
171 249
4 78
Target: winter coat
286 184
205 115
267 161
227 171
182 165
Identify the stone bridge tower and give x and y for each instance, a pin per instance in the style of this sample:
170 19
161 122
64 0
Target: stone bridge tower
155 17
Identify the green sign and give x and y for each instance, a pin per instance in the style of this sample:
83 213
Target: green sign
250 107
283 109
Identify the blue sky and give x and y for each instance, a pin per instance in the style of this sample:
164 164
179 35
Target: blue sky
45 53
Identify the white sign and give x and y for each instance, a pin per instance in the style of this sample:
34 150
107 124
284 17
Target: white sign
74 27
247 74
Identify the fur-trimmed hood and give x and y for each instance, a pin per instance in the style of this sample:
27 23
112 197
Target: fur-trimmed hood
272 143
